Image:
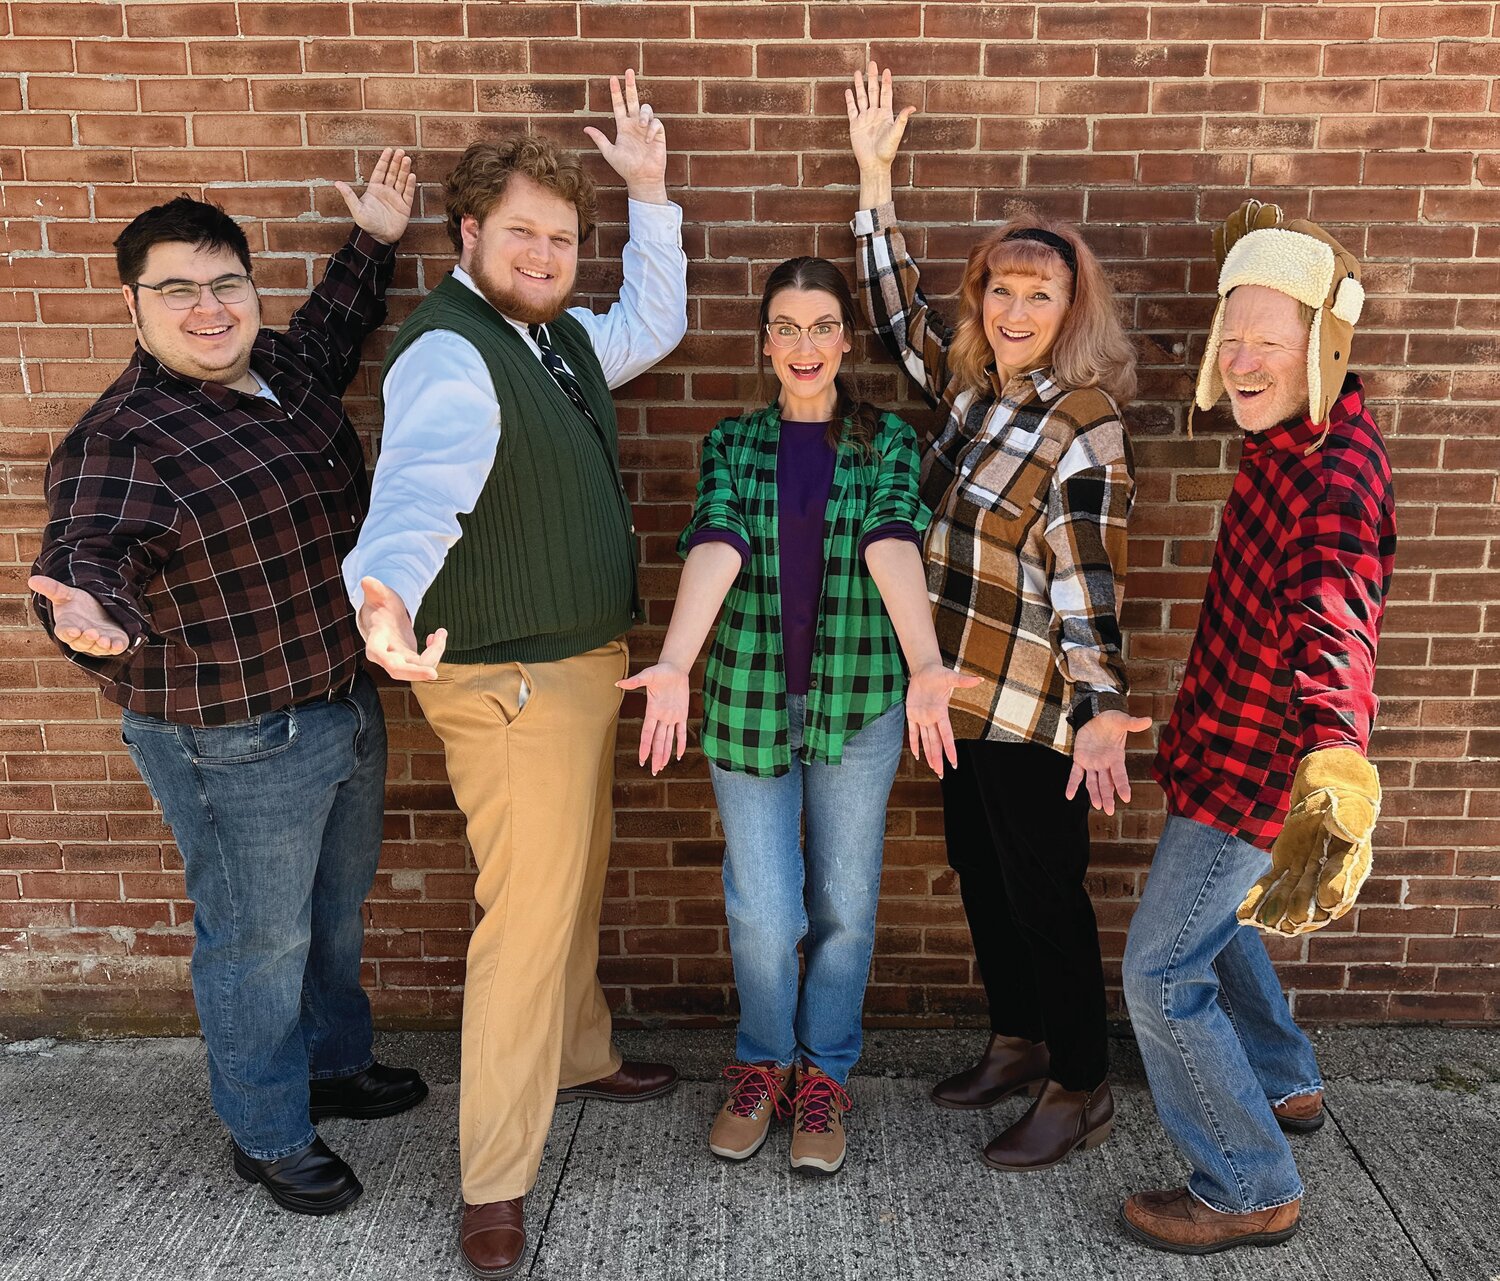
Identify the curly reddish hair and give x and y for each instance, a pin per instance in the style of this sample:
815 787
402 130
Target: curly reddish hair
478 181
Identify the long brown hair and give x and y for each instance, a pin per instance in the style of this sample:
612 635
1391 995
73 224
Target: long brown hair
858 417
1091 348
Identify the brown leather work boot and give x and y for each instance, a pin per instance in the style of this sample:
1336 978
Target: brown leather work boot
492 1237
1009 1065
1056 1124
758 1097
1300 1114
1176 1220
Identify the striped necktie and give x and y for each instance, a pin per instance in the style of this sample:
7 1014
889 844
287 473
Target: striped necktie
560 372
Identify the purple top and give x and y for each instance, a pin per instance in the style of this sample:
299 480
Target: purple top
804 477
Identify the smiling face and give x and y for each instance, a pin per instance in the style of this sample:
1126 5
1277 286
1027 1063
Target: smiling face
524 257
806 371
210 341
1023 314
1263 357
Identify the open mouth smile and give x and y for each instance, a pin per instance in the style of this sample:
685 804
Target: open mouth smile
806 373
1017 335
540 276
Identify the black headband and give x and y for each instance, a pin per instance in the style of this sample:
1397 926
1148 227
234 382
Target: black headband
1052 240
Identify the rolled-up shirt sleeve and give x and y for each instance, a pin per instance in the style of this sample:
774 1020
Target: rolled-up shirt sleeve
717 508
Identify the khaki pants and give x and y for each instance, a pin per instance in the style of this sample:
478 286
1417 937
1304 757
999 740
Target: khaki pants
535 784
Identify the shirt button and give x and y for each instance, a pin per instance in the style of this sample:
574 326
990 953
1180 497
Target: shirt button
329 461
354 520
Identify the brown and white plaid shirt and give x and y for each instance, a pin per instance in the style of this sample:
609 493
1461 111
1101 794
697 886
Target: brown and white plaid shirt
1030 485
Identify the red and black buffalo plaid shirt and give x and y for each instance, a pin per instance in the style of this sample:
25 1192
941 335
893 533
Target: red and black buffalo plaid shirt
1284 659
210 524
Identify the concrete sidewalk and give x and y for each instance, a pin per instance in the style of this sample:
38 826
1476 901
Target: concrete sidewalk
113 1166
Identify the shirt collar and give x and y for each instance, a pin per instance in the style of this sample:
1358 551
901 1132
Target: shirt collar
1300 435
463 278
215 393
1042 378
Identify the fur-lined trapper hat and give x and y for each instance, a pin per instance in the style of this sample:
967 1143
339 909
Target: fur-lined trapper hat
1298 258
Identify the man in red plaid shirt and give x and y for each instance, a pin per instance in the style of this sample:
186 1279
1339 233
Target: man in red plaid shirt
1265 749
198 513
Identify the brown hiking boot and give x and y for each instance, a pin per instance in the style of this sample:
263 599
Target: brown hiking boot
758 1096
1177 1221
1300 1114
1058 1123
818 1121
1009 1065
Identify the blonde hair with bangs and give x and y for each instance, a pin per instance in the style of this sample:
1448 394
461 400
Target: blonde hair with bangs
1091 348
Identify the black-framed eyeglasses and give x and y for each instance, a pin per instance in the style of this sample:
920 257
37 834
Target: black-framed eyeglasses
183 295
825 333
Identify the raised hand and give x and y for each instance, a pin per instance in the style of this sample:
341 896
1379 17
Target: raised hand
928 730
1099 758
874 129
78 620
390 642
385 208
639 152
666 687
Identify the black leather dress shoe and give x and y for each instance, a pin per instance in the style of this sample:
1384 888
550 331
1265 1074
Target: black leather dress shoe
377 1091
312 1181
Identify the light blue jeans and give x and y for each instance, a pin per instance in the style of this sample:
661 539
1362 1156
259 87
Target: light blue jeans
278 820
777 895
1215 1032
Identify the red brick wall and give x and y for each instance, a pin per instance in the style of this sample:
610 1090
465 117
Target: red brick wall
1145 122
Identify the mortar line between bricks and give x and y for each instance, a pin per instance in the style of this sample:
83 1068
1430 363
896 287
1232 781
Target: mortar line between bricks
1376 1184
541 1236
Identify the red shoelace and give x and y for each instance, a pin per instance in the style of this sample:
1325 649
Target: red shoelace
816 1096
753 1085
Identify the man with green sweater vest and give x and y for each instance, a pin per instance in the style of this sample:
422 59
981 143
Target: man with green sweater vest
499 522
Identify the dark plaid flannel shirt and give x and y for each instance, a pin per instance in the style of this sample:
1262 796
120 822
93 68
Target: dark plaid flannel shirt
1030 487
857 669
1284 659
210 524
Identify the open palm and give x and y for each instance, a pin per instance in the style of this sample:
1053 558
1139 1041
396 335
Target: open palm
639 151
385 207
875 130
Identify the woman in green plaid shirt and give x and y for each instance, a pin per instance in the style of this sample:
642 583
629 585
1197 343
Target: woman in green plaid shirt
806 530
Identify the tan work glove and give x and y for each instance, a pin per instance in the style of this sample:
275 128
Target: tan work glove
1322 857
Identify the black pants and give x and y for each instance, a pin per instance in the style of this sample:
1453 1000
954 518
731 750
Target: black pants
1021 851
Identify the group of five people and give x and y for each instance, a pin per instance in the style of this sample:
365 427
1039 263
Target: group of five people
211 526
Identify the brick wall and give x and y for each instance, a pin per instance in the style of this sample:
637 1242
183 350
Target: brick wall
1145 122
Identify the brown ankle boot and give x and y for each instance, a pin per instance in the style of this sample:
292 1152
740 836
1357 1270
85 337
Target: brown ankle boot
1176 1220
1010 1064
1057 1123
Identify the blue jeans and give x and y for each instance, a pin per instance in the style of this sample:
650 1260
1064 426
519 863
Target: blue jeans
776 897
1217 1038
279 821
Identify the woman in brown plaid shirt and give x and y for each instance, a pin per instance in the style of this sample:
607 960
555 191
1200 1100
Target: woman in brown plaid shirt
1030 483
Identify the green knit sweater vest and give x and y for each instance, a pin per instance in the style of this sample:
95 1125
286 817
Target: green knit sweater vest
545 566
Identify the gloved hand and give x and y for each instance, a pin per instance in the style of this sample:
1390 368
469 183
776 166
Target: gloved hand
1322 857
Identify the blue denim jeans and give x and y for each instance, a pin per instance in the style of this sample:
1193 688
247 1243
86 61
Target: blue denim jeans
279 821
1215 1032
777 896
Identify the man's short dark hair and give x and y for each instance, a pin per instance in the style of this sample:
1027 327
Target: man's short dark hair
194 222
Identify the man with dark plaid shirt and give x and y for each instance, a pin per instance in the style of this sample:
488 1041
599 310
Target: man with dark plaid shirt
199 512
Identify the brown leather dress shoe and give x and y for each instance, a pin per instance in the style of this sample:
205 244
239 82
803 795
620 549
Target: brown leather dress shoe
492 1237
1176 1220
1009 1065
1059 1122
632 1083
1300 1114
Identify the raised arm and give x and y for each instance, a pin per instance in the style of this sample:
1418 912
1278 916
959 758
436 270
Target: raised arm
349 302
650 318
889 280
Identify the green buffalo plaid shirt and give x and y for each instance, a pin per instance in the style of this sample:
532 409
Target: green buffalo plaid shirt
857 670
